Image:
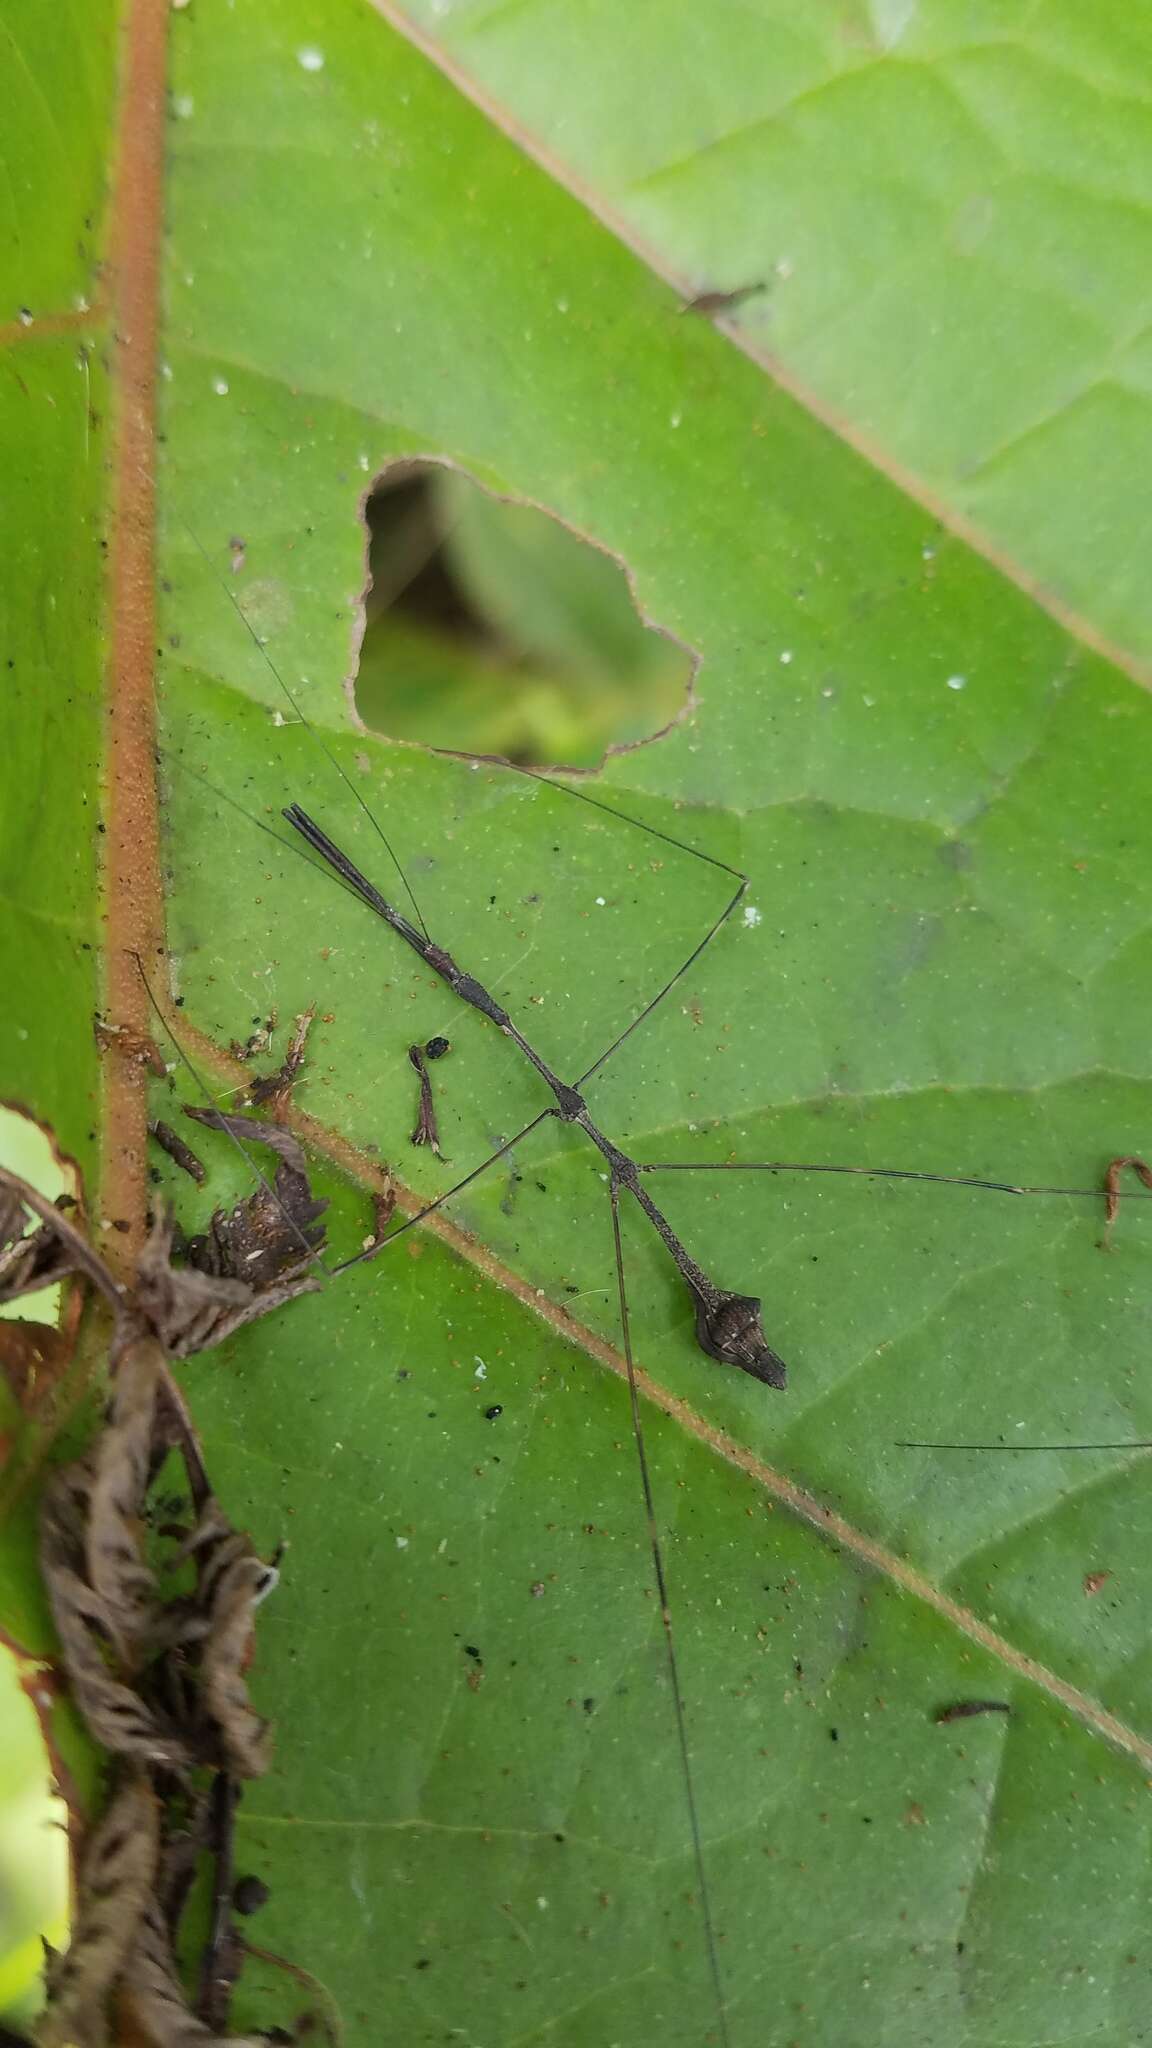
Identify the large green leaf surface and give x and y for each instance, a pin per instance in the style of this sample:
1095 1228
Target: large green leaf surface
476 1827
948 207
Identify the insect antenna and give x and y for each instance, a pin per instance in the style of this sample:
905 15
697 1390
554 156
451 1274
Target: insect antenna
305 721
657 1551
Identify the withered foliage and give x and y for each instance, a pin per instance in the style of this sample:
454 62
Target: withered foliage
271 1091
270 1240
154 1603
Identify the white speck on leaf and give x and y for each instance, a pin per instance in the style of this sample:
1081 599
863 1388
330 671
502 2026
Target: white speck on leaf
675 419
220 386
401 1543
600 900
957 682
184 106
481 1372
786 657
310 60
752 917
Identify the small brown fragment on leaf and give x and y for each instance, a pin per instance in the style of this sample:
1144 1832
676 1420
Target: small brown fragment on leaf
131 1044
33 1357
383 1209
709 304
1112 1189
276 1234
272 1090
260 1040
173 1144
914 1816
965 1710
1094 1580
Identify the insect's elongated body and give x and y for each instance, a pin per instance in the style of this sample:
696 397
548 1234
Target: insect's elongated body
728 1326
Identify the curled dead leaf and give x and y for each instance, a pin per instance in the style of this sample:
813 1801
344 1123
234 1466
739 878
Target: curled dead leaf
231 1582
191 1309
117 1873
157 1995
116 1715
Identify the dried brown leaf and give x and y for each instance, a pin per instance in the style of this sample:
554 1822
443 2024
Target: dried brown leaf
116 1877
157 1995
116 1716
50 1253
29 1263
273 1090
231 1582
122 1581
183 1156
276 1232
192 1310
32 1358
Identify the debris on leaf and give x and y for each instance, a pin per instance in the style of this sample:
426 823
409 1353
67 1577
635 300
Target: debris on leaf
116 1881
260 1040
275 1234
272 1090
132 1044
157 1995
157 1667
230 1583
1112 1175
426 1131
194 1310
173 1144
29 1263
32 1359
709 304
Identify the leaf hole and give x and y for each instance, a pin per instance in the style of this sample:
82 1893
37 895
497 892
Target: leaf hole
490 628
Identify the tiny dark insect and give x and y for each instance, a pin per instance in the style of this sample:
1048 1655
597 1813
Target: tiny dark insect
491 1413
964 1710
249 1894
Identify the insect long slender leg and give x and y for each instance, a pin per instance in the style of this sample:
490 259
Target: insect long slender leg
666 1621
955 1180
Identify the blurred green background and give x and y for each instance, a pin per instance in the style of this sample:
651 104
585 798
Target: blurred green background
491 629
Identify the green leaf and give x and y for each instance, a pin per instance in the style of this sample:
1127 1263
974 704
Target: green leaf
477 1824
950 208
